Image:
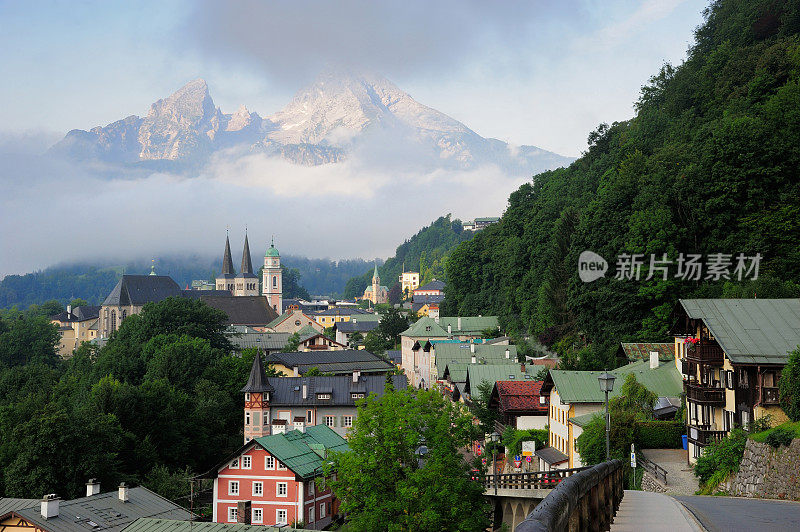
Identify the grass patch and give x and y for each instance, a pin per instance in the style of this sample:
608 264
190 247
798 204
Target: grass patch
762 436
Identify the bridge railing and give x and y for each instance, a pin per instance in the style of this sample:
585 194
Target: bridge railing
529 481
587 500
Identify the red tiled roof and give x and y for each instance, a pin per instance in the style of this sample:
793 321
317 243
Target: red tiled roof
520 396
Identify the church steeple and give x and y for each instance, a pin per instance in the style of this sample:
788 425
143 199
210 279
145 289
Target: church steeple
247 263
375 276
227 262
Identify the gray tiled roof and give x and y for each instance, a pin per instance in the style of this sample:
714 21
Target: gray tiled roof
106 511
551 455
243 310
750 331
8 504
433 285
82 313
146 524
289 390
361 326
343 361
140 289
266 341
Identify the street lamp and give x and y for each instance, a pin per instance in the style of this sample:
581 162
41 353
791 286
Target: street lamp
607 385
494 438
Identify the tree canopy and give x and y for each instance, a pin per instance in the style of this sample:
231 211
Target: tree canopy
386 482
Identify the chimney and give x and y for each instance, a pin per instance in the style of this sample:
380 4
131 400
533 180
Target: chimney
278 429
356 375
449 329
305 391
296 372
508 353
436 319
69 310
123 492
472 347
459 323
92 487
474 359
50 506
653 359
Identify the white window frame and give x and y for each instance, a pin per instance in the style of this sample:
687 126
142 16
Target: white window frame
311 515
233 514
279 465
234 463
258 489
322 513
330 421
278 519
247 462
260 513
347 421
311 488
247 396
269 463
285 486
247 418
233 487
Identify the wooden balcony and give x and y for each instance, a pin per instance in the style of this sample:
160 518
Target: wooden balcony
770 395
705 353
702 436
705 395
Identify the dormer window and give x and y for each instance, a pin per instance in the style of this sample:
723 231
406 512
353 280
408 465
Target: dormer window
428 328
357 395
323 396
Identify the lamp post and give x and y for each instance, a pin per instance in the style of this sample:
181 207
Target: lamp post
607 385
494 437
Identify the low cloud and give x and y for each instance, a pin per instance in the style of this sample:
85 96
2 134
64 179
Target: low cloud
55 211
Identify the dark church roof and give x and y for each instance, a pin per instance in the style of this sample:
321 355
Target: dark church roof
137 290
247 263
82 313
227 261
257 382
254 311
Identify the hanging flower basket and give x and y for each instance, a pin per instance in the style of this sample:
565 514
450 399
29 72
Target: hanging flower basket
691 343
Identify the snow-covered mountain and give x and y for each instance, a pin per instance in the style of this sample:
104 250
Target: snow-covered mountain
337 116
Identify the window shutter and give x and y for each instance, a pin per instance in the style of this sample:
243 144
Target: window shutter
334 420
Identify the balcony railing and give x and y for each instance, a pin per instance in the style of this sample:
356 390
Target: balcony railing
770 395
705 395
706 354
703 436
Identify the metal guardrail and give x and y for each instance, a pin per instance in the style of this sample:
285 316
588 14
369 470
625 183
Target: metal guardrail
587 500
529 481
653 468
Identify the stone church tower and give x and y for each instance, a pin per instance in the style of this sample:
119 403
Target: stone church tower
272 285
246 282
226 279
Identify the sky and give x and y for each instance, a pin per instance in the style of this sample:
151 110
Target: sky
542 73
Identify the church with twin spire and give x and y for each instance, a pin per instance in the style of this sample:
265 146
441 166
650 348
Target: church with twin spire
246 282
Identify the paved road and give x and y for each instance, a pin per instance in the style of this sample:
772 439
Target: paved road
680 478
652 512
733 514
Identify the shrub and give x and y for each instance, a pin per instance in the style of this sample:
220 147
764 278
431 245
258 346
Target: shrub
721 458
659 434
779 436
789 386
513 438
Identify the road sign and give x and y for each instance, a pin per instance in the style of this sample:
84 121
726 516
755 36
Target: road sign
517 463
633 460
529 459
483 461
528 448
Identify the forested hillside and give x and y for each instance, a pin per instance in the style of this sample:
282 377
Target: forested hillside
425 252
708 165
93 281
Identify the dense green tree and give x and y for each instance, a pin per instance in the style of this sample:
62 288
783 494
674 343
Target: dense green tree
28 339
480 408
382 482
292 343
789 386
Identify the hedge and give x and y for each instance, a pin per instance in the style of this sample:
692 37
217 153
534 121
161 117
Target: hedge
660 434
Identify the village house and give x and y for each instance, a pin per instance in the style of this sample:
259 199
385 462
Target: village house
451 359
277 479
292 321
346 329
76 325
243 337
313 340
111 511
409 281
433 288
279 404
731 352
520 404
331 316
574 394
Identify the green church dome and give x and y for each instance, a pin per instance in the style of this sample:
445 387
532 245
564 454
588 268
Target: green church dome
272 252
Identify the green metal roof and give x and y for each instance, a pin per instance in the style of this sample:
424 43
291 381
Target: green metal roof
750 331
272 252
307 332
583 420
470 323
583 386
300 451
146 524
279 319
459 354
425 328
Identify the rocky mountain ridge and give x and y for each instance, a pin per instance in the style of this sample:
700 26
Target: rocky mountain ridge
325 122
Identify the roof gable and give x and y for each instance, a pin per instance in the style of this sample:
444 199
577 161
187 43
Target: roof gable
136 290
300 451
